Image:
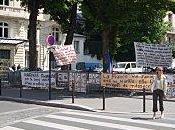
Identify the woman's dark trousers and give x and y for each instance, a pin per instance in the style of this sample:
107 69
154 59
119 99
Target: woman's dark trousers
158 94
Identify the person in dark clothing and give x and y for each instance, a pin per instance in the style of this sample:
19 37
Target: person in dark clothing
14 67
18 67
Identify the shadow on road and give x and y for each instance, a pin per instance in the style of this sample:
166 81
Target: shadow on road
141 118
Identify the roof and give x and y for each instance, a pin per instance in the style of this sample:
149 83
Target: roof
12 41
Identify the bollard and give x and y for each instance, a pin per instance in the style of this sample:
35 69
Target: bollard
20 91
144 94
103 98
0 87
49 75
73 91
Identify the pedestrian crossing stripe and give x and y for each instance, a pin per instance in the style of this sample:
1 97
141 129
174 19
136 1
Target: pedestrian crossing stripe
10 128
52 125
67 117
123 119
98 123
170 119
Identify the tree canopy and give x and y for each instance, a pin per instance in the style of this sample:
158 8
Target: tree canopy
128 21
64 12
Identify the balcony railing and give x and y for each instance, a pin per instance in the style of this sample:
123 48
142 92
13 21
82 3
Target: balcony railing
11 9
19 12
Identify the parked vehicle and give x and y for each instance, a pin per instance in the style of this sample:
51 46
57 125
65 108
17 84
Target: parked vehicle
89 67
127 67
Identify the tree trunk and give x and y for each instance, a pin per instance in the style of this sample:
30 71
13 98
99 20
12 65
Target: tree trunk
33 8
105 40
70 32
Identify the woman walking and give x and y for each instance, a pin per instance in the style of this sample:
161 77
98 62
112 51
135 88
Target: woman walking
159 88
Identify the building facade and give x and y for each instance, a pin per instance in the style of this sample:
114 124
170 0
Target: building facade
14 46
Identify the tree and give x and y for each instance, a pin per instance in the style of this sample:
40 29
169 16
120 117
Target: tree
130 21
64 12
33 7
98 12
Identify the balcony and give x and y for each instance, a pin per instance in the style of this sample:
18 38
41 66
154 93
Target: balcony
13 12
9 11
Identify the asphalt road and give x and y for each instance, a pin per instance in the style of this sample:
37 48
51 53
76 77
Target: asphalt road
47 118
11 112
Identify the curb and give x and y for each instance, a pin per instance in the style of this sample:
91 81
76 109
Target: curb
149 98
48 103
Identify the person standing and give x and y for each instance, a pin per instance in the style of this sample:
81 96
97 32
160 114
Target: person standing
18 67
159 88
14 67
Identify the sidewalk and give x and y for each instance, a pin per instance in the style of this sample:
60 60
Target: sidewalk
89 102
113 104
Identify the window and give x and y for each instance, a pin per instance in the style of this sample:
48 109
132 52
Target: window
55 33
170 17
127 66
26 58
86 50
120 65
4 54
4 2
133 65
3 29
76 46
169 39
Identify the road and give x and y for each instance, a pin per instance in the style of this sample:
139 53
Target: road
13 111
33 117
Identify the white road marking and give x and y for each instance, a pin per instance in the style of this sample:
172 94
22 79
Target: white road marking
25 109
173 119
123 119
10 128
98 123
52 125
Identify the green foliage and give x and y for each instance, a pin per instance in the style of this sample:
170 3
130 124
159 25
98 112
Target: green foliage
60 11
128 21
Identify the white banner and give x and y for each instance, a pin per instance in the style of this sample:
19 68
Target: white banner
35 79
65 55
80 81
152 55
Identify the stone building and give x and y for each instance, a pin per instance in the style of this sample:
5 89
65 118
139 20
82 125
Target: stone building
14 46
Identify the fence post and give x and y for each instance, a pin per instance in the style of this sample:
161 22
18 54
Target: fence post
144 103
103 98
20 91
73 91
49 75
0 87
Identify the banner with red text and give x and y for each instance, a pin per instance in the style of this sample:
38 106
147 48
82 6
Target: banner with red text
65 55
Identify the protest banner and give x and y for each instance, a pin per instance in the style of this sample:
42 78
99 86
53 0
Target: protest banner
171 85
93 78
80 81
127 81
65 55
37 79
62 77
136 82
152 55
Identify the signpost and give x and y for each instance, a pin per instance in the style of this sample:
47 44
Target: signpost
50 41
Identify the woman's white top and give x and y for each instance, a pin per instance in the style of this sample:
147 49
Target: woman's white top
160 83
